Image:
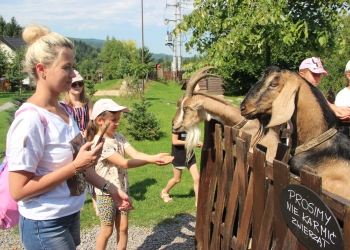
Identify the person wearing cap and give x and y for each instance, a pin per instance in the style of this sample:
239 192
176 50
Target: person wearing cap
77 99
112 165
312 70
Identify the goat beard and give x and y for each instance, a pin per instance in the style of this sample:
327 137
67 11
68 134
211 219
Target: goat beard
192 138
264 120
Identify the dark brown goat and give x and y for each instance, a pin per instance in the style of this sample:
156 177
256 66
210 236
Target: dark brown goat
281 95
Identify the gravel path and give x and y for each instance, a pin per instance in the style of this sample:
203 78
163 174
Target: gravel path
178 233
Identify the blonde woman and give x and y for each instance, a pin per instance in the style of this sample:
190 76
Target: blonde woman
48 164
77 99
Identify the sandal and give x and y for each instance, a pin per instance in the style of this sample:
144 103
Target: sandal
165 197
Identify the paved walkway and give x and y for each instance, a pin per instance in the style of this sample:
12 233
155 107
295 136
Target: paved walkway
6 106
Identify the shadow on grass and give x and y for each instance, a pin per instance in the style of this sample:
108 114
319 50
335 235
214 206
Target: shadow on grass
180 229
152 99
139 189
189 195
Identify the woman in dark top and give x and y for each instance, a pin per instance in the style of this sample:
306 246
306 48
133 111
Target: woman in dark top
179 163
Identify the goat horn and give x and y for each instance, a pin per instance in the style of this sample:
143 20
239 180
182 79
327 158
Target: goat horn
195 79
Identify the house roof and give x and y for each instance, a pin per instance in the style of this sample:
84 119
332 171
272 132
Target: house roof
15 43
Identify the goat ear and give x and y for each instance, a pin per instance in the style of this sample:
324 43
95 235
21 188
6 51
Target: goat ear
284 105
196 107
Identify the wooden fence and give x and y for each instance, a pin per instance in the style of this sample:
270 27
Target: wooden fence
234 213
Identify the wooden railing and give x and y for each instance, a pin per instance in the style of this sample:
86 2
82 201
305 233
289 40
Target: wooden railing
239 195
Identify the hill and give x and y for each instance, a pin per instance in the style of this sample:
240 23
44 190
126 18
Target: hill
98 43
95 43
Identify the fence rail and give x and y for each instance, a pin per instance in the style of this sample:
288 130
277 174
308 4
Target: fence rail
239 197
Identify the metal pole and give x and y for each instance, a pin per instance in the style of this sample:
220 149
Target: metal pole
179 39
174 42
143 85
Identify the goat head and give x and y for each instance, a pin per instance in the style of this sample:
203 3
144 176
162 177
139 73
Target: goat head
271 99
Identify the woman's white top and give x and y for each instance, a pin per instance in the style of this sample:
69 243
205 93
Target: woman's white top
30 148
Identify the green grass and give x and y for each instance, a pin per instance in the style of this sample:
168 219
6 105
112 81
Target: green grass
145 182
109 85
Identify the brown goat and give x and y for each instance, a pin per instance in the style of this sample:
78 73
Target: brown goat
195 107
281 95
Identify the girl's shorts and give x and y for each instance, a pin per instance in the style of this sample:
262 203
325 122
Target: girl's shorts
107 210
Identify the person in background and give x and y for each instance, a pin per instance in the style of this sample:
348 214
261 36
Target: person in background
48 163
312 70
343 97
179 163
113 166
77 99
82 107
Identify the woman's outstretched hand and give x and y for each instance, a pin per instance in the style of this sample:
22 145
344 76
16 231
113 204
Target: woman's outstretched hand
163 159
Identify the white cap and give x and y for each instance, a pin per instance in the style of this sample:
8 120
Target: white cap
103 105
347 67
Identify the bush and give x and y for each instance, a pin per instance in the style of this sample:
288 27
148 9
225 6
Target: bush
143 125
17 100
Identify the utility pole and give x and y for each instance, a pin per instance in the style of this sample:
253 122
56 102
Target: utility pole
143 61
178 20
174 41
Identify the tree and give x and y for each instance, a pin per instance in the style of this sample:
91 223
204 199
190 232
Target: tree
143 125
3 62
12 29
116 58
15 71
335 60
2 25
243 37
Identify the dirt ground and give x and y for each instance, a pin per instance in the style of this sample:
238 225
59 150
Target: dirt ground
119 92
107 92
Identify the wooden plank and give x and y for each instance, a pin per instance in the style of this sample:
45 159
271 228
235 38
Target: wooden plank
246 220
266 226
228 157
346 229
220 192
280 180
231 209
259 194
202 230
290 241
311 180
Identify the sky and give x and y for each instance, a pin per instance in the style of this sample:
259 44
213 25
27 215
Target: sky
99 19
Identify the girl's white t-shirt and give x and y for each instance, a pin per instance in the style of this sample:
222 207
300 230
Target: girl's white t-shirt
343 98
31 149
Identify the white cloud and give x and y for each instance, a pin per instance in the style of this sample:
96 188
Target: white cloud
97 19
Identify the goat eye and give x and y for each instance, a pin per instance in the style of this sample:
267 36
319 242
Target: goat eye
273 84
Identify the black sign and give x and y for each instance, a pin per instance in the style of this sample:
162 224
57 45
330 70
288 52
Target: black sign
309 218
